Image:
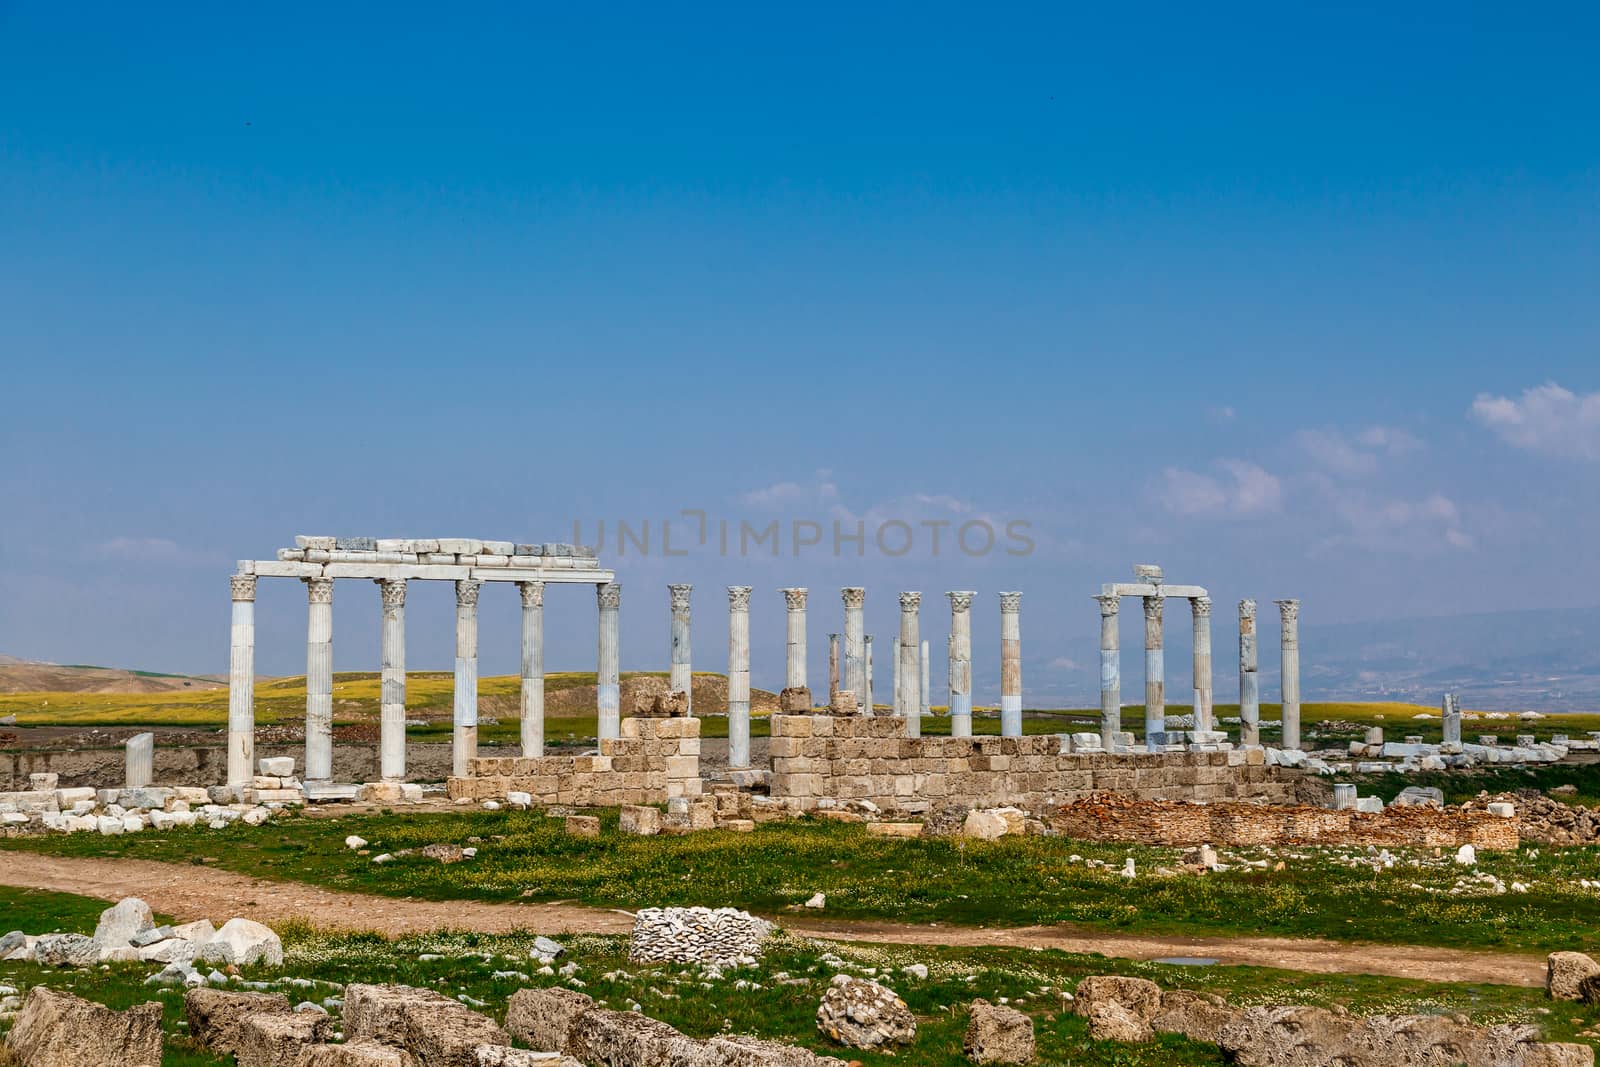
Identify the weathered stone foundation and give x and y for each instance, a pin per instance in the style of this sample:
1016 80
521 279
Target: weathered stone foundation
655 760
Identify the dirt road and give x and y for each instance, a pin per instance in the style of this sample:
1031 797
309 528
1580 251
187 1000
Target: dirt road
198 892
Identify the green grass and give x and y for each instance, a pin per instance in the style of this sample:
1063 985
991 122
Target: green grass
1033 981
1332 893
1460 785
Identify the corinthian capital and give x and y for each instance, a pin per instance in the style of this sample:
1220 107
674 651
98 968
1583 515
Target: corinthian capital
1010 603
319 590
1288 610
794 599
392 591
1201 606
739 597
910 601
854 596
1247 609
532 594
609 594
1110 603
679 595
242 586
1153 606
961 599
467 590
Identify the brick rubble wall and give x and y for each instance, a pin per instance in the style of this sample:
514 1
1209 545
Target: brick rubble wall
870 758
652 762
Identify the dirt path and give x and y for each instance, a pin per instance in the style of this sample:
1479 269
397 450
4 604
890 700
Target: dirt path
196 892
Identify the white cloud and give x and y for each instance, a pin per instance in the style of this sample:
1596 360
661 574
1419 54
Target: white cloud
142 549
1547 419
1415 526
1355 455
785 495
1065 663
1240 489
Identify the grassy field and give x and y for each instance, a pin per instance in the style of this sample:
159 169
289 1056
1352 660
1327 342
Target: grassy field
1345 894
778 997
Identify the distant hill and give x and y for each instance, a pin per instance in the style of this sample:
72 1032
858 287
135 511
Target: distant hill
27 676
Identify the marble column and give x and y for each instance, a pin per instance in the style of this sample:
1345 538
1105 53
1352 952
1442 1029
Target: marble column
1450 720
139 761
1110 670
1249 680
682 678
794 672
833 670
855 642
960 674
319 680
738 677
1289 614
532 721
242 683
869 706
1200 607
608 690
464 747
908 664
1010 664
392 680
926 707
1155 685
894 690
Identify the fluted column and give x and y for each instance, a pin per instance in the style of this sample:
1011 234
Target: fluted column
908 693
1249 680
927 700
855 642
960 674
532 721
794 673
870 706
608 690
139 761
1110 670
242 682
1155 685
833 670
464 747
738 677
1010 664
319 680
1289 613
682 678
1200 607
392 702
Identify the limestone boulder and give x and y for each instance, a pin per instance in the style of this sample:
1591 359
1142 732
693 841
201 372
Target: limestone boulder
743 1051
863 1014
602 1036
444 853
122 922
66 950
278 1039
1555 1054
214 1015
1139 996
998 1034
986 824
640 819
354 1054
1565 972
544 1018
1293 1036
56 1029
439 1031
1197 1016
1110 1020
505 1056
243 942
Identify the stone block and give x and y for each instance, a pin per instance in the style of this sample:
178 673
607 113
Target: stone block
795 699
56 1029
214 1015
998 1034
639 819
271 1040
276 766
544 1018
356 1054
583 825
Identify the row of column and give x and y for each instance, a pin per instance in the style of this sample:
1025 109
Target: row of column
392 742
1154 670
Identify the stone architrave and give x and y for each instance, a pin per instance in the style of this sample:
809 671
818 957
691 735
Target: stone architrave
1110 670
532 690
1200 607
1011 664
960 652
392 680
319 680
242 682
1289 614
681 679
1249 679
608 690
1155 686
464 746
855 640
739 677
908 664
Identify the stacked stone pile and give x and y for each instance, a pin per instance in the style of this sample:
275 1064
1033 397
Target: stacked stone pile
863 1014
438 551
1135 1010
126 811
717 937
1545 820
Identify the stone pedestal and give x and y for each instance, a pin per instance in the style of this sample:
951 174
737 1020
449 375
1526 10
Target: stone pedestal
855 640
140 761
1289 611
1110 670
392 680
532 721
319 680
242 682
1010 664
794 663
681 679
1200 607
608 690
960 672
1249 681
464 743
908 664
1155 685
738 677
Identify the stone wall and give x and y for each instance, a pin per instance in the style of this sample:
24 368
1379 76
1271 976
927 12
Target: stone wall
655 760
1159 822
203 765
842 758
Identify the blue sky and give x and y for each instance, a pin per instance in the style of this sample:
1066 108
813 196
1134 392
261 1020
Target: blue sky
1293 302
